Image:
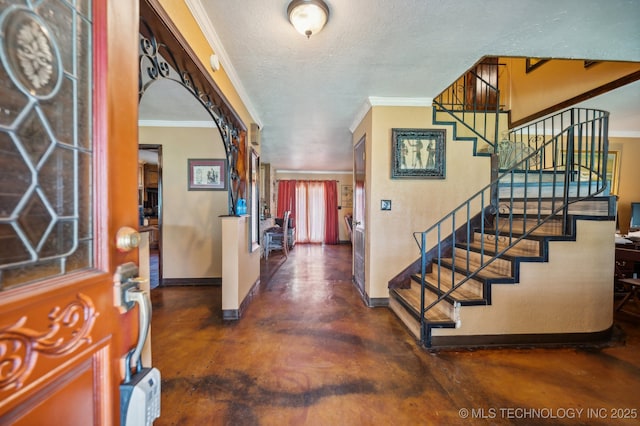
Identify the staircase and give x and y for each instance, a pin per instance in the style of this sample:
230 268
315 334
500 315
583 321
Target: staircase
552 176
464 275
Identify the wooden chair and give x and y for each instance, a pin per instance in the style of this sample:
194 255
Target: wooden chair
348 223
276 238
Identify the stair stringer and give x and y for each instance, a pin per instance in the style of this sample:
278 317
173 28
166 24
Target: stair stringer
562 297
545 241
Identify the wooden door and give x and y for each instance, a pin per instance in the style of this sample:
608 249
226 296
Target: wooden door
68 149
481 86
359 216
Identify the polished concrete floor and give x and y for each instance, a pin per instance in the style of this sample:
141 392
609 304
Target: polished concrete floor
308 352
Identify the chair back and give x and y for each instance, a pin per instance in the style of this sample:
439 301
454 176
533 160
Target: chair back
285 233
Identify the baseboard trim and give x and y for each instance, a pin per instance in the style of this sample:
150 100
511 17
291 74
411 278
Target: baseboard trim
236 314
378 302
230 314
598 338
375 302
168 282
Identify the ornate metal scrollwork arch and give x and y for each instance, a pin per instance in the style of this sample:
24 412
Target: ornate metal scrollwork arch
158 61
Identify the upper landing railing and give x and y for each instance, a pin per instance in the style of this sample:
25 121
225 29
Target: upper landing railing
474 103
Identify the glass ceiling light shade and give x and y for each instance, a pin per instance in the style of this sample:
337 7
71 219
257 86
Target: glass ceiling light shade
308 16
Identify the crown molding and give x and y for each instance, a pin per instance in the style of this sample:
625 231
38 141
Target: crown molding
173 123
406 102
362 112
387 101
623 134
201 17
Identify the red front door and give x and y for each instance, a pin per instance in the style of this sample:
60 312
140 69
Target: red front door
68 181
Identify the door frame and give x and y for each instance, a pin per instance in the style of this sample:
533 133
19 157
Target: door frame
158 148
359 218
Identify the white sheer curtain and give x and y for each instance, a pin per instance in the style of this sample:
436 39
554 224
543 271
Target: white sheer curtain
310 211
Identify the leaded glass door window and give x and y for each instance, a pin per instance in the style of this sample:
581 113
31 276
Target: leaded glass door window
45 140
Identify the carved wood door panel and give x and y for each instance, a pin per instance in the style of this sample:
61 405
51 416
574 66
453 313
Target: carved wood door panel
68 150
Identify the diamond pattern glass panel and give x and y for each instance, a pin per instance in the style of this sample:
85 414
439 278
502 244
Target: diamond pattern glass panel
58 110
57 181
84 7
34 220
15 177
84 88
11 248
60 241
85 213
5 3
12 101
13 277
81 257
33 137
46 147
60 17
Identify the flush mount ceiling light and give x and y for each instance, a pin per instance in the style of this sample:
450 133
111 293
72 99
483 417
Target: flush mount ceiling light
308 16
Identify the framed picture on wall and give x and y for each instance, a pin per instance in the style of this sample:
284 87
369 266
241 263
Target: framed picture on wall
592 160
207 174
346 196
418 153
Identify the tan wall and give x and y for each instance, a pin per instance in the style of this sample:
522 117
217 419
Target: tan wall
342 178
555 82
629 178
241 268
416 203
191 231
559 296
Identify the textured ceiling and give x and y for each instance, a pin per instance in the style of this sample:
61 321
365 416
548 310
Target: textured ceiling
307 93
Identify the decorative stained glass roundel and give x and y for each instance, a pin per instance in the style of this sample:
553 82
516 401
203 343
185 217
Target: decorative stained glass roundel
30 54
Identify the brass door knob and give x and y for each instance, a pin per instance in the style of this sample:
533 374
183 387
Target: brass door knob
127 239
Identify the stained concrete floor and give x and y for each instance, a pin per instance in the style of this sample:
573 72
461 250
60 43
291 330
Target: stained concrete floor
308 352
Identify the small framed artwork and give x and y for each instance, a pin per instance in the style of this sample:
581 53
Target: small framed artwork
418 153
207 174
385 204
346 196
